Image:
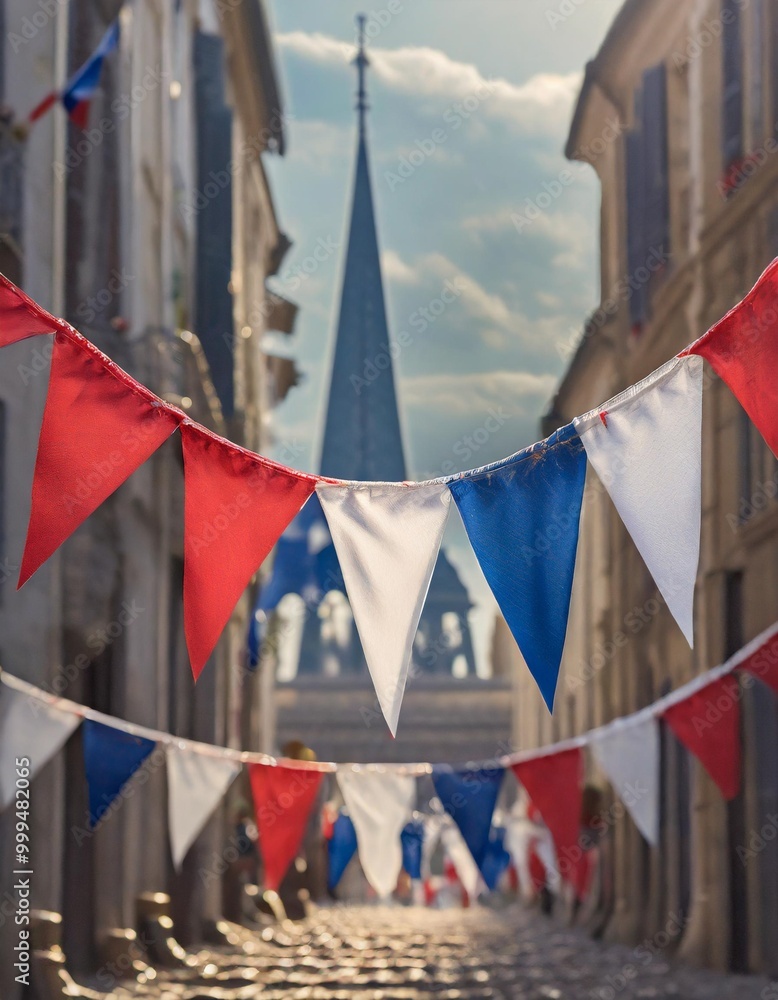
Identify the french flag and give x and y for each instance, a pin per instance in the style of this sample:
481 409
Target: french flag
80 88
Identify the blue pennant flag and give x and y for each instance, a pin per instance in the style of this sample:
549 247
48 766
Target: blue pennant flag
497 858
469 797
343 845
412 838
111 757
521 516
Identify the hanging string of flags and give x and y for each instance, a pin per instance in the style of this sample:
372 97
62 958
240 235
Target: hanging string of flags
704 715
521 514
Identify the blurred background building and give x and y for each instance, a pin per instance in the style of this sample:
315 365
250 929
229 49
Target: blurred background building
153 232
678 115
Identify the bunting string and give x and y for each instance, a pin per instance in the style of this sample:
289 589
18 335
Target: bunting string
521 514
758 658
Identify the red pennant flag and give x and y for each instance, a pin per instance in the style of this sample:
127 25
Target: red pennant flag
99 425
236 505
20 317
743 350
763 662
283 799
554 783
708 725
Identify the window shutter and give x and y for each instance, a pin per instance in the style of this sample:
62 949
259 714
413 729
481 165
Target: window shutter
657 197
636 216
756 81
732 94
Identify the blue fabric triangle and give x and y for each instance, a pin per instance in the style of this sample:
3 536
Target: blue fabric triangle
521 516
469 797
343 845
412 838
111 757
497 858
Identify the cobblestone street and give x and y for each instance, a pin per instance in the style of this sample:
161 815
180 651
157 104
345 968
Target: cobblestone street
370 953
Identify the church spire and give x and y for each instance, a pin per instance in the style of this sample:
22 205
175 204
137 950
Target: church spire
361 62
362 436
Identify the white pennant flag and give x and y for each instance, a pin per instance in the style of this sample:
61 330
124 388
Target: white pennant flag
387 538
645 445
196 785
30 729
379 804
628 753
459 854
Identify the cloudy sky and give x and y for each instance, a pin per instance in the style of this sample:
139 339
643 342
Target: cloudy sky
471 102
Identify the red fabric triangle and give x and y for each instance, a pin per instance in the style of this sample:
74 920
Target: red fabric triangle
708 725
20 317
743 350
236 505
283 799
98 426
554 783
763 663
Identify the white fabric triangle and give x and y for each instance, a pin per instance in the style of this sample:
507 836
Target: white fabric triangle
387 538
628 753
196 784
464 864
30 729
645 445
379 804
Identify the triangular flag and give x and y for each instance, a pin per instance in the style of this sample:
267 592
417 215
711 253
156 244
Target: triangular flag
111 757
235 507
412 843
462 859
469 796
341 849
196 784
645 445
496 859
98 426
554 783
283 799
20 317
708 725
628 753
29 729
387 536
379 804
521 516
742 349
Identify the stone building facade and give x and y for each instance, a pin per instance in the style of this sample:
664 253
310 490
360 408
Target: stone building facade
678 116
153 232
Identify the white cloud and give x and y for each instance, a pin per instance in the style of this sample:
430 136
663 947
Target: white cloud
395 269
474 394
540 104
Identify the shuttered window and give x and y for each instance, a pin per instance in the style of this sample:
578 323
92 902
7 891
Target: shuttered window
732 84
648 189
